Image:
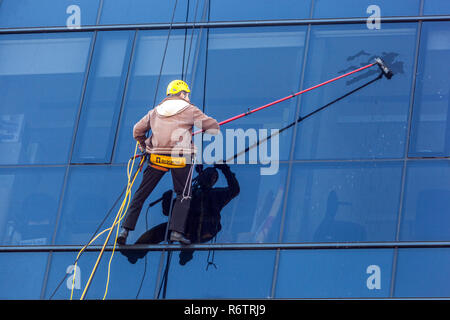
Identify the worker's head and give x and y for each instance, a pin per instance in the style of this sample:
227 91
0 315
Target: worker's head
208 178
178 88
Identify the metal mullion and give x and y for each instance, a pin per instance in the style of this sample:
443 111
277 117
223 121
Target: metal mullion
224 24
235 246
99 12
406 151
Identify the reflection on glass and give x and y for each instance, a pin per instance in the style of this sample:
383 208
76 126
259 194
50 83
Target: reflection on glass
126 281
102 101
143 82
244 72
372 122
22 275
423 273
29 200
203 221
434 7
426 209
259 10
430 135
255 214
331 229
142 11
343 202
243 206
365 8
353 273
91 193
41 77
237 274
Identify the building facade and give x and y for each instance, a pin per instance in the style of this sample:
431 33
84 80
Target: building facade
357 205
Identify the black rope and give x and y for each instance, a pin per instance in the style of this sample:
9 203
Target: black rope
190 44
211 262
164 280
165 52
169 254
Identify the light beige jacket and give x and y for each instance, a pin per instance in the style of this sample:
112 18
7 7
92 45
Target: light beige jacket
171 123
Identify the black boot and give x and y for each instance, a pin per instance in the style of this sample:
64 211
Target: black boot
122 238
178 236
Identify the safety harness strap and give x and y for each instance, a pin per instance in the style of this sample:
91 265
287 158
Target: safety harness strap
167 161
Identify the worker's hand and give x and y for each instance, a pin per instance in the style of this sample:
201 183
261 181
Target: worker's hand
167 195
142 148
199 168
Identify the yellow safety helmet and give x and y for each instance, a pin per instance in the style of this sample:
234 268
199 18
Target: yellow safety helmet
176 86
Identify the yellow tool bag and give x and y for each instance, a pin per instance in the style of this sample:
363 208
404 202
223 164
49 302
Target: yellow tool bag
166 162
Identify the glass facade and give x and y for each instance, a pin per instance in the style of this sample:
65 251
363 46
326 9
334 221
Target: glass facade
351 202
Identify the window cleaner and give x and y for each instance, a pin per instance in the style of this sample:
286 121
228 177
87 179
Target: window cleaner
170 148
159 145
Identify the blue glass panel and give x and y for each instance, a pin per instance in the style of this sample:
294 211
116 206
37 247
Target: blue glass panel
235 274
334 202
22 275
436 7
364 8
255 214
100 111
259 10
124 277
372 122
29 204
194 65
430 135
140 94
142 11
244 71
423 273
426 209
334 273
47 13
41 77
91 192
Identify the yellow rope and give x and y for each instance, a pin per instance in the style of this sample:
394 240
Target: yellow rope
117 234
119 215
110 231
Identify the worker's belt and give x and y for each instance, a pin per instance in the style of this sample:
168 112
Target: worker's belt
165 162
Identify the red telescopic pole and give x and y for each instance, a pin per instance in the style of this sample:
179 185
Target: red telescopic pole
289 97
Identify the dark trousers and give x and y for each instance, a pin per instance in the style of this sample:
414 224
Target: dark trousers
150 179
